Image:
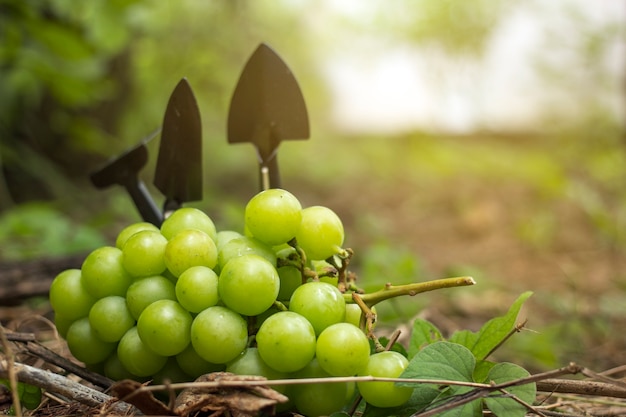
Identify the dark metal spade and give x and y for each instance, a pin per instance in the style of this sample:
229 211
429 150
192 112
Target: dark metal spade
178 172
124 170
266 108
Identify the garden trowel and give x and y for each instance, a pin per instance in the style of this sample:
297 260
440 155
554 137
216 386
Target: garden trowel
266 108
178 172
124 170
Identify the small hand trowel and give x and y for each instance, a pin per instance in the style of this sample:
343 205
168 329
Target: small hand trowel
266 108
124 170
178 172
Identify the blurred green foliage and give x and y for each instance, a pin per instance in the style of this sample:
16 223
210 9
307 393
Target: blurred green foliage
59 48
60 101
387 263
36 230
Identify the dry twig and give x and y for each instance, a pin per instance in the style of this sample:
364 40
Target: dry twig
63 386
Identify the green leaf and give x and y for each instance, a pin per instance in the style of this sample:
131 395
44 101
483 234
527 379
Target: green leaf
504 406
424 333
441 361
444 361
421 398
29 395
465 338
450 399
481 372
494 332
471 409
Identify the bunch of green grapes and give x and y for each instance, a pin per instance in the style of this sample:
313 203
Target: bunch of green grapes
184 300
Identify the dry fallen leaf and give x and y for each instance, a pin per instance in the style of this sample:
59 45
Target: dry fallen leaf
239 401
143 400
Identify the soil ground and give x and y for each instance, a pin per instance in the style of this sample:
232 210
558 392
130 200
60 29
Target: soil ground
577 284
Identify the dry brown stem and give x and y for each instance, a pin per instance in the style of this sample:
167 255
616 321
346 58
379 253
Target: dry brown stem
582 387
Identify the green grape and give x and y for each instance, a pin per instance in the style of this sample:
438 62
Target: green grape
130 230
136 357
342 349
114 369
193 365
290 279
322 399
321 233
249 362
284 250
286 341
320 303
354 313
273 216
196 288
189 248
62 324
248 285
219 334
225 236
259 319
85 345
103 273
110 318
97 368
334 281
165 327
171 373
188 218
244 246
388 364
167 274
145 291
68 296
143 253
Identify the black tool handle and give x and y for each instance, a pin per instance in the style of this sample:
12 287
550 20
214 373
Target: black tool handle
144 203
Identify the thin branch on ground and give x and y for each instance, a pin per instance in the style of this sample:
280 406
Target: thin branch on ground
30 344
63 386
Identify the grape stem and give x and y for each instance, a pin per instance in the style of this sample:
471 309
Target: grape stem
342 277
301 262
393 339
367 319
392 291
280 306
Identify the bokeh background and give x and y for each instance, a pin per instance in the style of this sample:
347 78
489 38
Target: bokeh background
475 137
